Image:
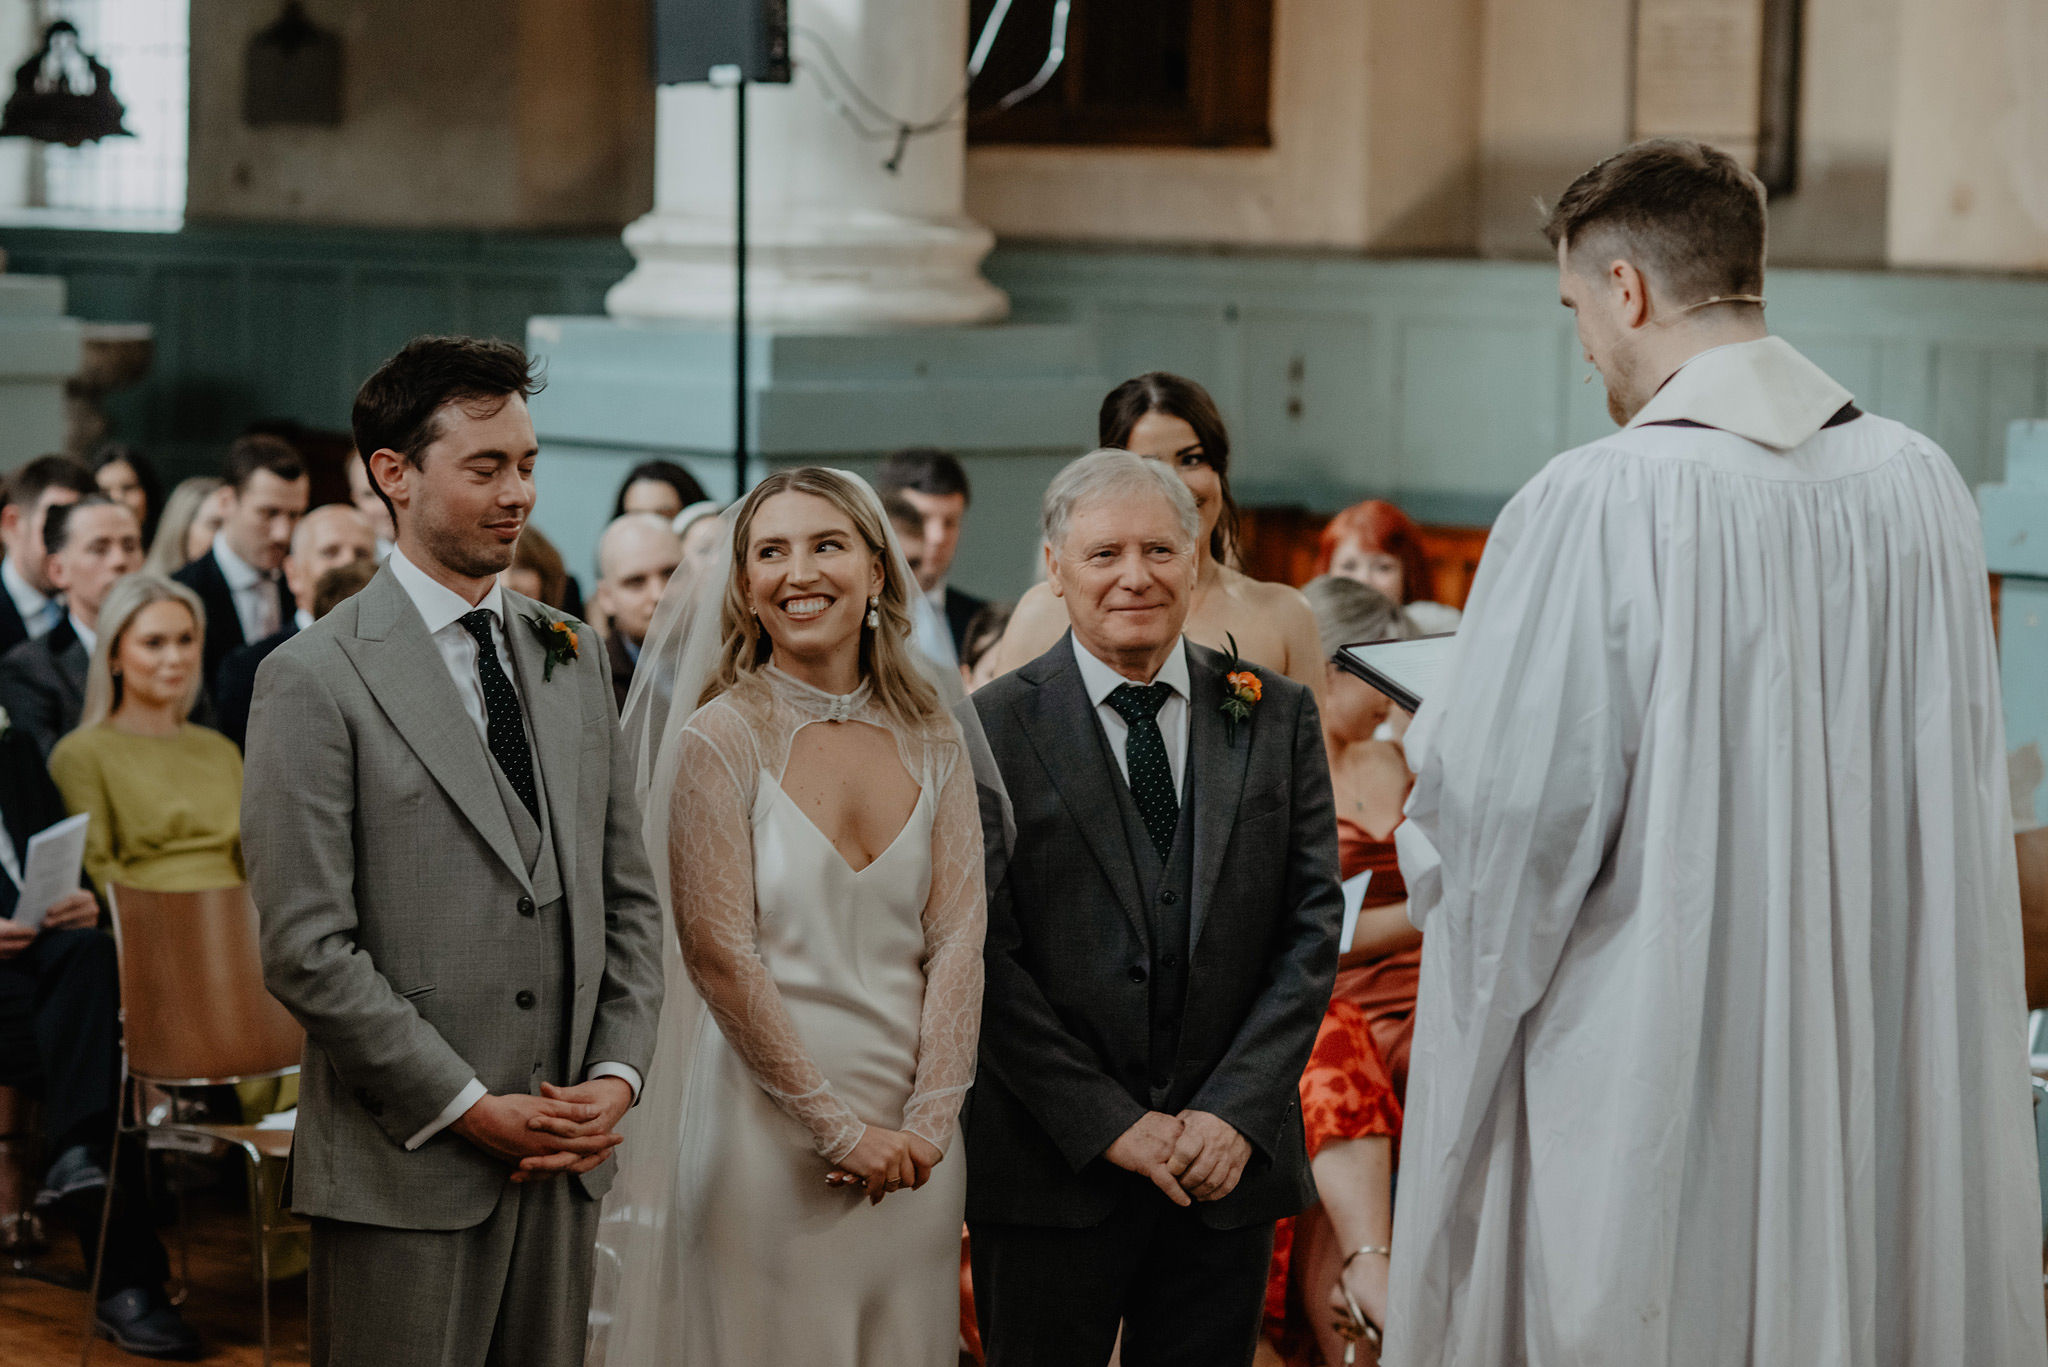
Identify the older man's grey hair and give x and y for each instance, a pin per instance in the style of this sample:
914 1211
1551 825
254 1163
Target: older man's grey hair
1113 474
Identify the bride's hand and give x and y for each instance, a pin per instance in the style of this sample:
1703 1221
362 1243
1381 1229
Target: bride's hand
924 1156
880 1162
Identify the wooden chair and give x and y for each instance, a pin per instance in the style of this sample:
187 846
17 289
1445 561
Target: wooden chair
194 1013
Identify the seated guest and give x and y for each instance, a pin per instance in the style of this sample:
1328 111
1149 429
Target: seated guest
330 536
125 475
1382 966
92 542
661 487
240 580
60 1039
363 494
928 625
537 570
934 483
703 534
28 600
165 795
978 648
635 558
192 515
1173 420
1380 546
1350 1107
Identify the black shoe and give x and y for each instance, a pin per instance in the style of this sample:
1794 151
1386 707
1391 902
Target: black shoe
140 1321
76 1173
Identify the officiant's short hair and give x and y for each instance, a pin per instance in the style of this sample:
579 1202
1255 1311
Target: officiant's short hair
1687 214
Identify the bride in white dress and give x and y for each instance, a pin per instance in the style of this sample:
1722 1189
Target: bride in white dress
788 1190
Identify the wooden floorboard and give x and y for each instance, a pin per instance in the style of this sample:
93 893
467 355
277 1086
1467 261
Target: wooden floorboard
41 1322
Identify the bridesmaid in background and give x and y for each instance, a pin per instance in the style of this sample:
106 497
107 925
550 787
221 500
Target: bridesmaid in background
1167 418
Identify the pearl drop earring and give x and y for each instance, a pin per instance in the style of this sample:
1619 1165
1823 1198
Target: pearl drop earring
874 617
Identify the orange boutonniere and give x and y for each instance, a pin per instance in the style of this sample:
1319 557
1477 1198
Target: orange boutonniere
557 637
1241 692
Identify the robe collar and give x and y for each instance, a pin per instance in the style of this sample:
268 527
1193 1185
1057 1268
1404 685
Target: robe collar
1763 391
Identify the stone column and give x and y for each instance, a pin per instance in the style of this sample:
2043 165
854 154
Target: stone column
835 240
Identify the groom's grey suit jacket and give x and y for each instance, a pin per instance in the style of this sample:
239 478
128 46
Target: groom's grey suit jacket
1071 1021
399 917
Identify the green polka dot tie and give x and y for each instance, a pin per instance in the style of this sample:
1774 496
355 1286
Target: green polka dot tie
502 729
1151 777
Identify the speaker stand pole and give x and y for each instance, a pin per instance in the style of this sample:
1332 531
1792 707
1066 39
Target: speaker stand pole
739 288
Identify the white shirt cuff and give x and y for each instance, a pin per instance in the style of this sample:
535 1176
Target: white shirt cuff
450 1113
627 1073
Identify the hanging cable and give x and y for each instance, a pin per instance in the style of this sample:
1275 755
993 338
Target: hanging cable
871 121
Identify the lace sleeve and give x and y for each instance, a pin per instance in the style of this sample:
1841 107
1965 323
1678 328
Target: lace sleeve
711 870
955 919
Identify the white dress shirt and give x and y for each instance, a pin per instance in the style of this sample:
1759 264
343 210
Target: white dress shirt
10 860
1101 680
442 608
301 618
934 633
256 594
87 637
31 602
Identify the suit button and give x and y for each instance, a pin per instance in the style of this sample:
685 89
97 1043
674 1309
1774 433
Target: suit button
1169 897
526 906
525 1000
1137 973
1170 960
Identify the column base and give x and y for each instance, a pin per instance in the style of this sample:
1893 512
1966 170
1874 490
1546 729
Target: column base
842 272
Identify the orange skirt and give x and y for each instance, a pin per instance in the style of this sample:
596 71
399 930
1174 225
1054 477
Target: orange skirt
1346 1093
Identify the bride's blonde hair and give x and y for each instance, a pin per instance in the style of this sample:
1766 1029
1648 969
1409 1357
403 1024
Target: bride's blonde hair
885 652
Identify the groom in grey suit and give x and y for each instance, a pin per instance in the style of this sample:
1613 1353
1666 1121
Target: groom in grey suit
445 848
1162 939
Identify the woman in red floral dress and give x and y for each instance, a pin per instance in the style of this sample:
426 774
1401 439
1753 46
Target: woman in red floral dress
1349 1097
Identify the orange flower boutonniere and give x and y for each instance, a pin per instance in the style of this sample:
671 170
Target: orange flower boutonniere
1241 692
557 637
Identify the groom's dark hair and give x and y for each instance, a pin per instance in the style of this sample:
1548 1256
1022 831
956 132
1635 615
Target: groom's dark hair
395 408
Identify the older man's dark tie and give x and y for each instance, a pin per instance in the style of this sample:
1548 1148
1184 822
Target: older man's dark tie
1151 777
503 730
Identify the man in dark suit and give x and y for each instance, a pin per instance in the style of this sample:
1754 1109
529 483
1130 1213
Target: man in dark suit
934 483
241 579
60 1038
330 536
1161 946
28 600
92 543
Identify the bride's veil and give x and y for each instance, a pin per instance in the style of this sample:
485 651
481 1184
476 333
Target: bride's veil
636 1316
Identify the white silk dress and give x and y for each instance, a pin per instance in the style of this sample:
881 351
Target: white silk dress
833 998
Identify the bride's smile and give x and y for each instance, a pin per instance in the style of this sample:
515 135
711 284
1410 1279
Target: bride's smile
810 577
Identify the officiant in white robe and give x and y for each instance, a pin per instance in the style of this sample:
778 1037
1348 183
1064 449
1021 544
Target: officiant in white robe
1719 1054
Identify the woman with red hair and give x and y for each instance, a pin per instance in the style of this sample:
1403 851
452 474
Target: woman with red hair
1380 546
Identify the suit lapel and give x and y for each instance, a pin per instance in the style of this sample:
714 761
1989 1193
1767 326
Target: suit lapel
1216 772
404 671
74 663
1060 723
555 720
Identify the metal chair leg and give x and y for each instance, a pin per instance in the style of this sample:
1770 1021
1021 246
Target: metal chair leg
99 1256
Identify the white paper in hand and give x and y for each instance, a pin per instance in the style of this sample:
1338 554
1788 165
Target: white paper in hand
50 872
1354 902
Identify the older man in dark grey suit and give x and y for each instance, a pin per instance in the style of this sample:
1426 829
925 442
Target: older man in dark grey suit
1161 946
445 847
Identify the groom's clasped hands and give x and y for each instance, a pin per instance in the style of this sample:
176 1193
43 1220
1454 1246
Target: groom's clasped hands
564 1129
1193 1156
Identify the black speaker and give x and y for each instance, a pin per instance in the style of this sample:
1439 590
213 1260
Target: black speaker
693 36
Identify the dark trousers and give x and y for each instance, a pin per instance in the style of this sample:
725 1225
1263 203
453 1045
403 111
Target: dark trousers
1185 1295
60 1038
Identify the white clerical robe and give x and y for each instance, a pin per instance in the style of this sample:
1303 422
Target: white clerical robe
1719 1052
